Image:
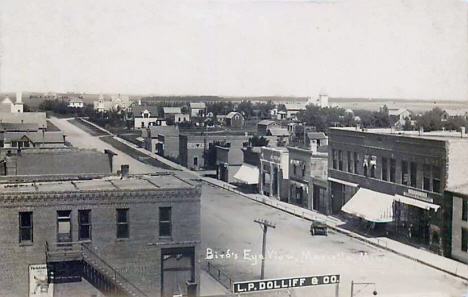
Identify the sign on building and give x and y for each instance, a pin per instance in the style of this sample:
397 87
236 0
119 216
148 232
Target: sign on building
285 283
38 284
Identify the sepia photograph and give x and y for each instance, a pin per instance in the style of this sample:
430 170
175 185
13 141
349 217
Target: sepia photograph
238 148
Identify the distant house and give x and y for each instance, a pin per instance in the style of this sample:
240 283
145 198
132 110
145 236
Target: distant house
176 115
278 136
399 115
76 103
115 103
163 140
264 125
197 109
12 107
276 114
235 120
452 113
292 109
317 140
145 116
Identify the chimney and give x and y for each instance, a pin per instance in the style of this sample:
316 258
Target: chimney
462 132
19 97
124 169
111 155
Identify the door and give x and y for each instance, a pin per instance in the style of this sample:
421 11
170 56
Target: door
64 235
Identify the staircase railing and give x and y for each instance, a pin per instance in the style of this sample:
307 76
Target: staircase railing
114 274
61 251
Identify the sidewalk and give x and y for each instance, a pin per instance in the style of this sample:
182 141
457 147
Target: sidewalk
209 286
443 264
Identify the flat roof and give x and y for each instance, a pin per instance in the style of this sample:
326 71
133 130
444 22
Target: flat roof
434 135
114 183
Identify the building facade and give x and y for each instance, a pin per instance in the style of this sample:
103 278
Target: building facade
274 172
410 171
144 231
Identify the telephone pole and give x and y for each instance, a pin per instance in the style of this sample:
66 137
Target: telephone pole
264 224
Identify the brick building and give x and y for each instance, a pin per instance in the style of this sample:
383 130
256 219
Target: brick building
138 234
192 147
396 181
274 172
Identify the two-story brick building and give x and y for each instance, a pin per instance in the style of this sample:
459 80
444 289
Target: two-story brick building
396 180
274 172
136 235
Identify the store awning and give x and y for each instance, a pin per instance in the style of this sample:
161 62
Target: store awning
248 174
342 182
370 205
416 202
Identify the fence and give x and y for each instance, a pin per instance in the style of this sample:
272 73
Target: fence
220 276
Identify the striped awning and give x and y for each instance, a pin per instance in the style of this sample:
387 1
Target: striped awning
371 206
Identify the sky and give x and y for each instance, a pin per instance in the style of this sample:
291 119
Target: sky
400 49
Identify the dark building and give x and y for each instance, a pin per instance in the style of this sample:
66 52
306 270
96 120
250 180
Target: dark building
194 146
129 236
395 181
234 120
228 161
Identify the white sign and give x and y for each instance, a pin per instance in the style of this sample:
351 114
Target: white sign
38 284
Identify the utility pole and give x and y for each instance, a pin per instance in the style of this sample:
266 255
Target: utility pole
264 224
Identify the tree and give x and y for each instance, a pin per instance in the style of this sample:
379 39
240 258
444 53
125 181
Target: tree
258 141
408 125
246 108
431 120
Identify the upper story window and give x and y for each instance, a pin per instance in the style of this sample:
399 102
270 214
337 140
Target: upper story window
84 221
356 162
436 179
25 227
123 230
427 177
414 174
392 170
465 210
340 160
335 158
350 163
404 172
165 224
384 169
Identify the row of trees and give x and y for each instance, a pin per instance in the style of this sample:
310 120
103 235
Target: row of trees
432 121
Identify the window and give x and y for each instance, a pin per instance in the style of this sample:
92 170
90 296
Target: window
404 172
356 162
14 144
384 169
303 170
464 240
465 210
436 179
414 172
195 160
426 177
373 165
340 160
122 223
365 169
165 221
392 170
350 163
25 227
335 158
294 168
84 221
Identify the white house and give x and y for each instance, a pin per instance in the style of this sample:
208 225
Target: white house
8 106
292 109
145 116
197 109
399 115
76 103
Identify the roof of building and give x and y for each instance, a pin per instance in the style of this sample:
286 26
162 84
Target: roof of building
112 183
62 161
35 136
197 105
277 131
397 112
39 118
76 100
456 112
172 110
7 101
139 109
163 130
295 106
266 122
19 127
316 135
232 114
